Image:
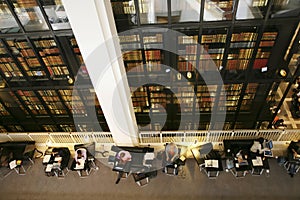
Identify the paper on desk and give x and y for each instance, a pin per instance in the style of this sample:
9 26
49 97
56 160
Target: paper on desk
49 168
12 164
46 158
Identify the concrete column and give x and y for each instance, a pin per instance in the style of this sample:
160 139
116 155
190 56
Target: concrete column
94 28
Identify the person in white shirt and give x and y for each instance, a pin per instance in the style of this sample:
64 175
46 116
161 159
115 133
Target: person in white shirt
80 154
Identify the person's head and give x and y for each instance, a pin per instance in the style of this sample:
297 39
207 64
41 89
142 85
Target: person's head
122 154
79 153
172 148
261 140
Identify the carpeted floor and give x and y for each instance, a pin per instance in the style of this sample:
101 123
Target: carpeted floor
194 185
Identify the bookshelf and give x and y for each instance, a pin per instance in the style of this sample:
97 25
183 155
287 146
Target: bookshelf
249 96
229 97
29 15
187 49
68 127
76 50
206 96
52 101
3 129
185 98
264 51
213 47
27 58
140 100
8 66
3 111
15 101
241 50
51 56
159 98
32 102
73 101
50 128
130 42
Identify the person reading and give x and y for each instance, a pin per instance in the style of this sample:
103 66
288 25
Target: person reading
171 153
80 156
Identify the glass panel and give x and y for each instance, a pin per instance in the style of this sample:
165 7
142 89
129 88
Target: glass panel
56 14
285 8
216 10
30 15
251 9
8 23
185 10
156 11
294 61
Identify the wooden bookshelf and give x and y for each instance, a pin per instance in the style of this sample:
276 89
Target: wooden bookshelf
51 56
3 111
140 100
32 102
206 95
229 97
53 102
50 128
27 58
265 48
73 102
7 65
241 50
76 50
212 48
249 96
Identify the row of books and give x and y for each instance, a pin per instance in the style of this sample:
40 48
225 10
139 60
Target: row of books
153 66
158 38
19 45
242 45
188 39
134 67
266 43
58 71
26 3
260 63
129 38
244 36
186 66
217 38
237 64
153 55
53 60
45 43
262 54
132 55
269 36
27 53
259 3
241 54
6 60
45 52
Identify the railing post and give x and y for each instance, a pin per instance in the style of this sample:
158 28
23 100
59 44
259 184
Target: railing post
9 137
280 136
30 136
160 136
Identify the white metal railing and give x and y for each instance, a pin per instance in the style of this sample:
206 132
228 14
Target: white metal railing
153 137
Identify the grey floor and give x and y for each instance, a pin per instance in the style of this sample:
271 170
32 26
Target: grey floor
194 185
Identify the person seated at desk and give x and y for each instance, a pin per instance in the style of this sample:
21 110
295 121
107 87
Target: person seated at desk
80 156
293 157
123 159
294 150
242 157
257 147
171 153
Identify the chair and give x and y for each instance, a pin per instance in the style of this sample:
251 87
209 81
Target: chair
141 179
89 165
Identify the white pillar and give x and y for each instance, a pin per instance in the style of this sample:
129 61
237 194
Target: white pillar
94 28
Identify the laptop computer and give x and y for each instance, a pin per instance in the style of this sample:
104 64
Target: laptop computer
269 145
